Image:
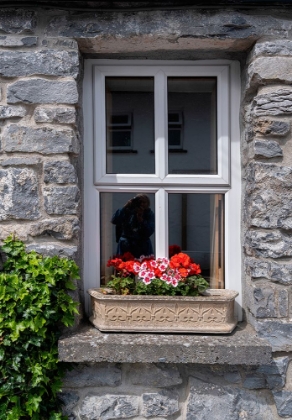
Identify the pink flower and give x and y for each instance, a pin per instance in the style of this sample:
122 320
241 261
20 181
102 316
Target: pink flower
146 280
136 267
153 264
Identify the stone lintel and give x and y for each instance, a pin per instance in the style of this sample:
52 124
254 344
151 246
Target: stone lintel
91 345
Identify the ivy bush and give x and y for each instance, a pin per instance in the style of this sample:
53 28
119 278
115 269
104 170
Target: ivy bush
34 304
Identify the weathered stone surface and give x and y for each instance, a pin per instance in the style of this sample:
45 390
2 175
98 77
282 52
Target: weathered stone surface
42 91
278 102
161 404
277 333
278 47
102 374
11 41
45 140
271 127
278 272
21 161
262 302
61 200
268 197
265 70
267 149
51 249
17 21
46 62
232 377
157 375
21 231
59 115
283 400
215 374
108 407
59 172
11 111
18 194
209 401
275 373
69 400
60 42
268 244
254 381
61 228
90 345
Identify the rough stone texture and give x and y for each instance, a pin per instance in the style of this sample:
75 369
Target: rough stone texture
18 194
90 345
21 161
61 200
265 70
51 249
268 301
156 375
268 244
275 373
279 47
215 374
283 400
277 333
42 91
46 62
281 273
45 140
271 127
11 41
107 407
208 401
164 403
278 102
11 112
61 228
268 201
17 21
267 149
254 381
60 172
59 115
102 374
69 400
14 228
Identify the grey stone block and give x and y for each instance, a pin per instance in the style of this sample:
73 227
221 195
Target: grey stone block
278 102
11 111
59 115
17 21
101 374
18 194
52 249
21 231
277 333
267 149
69 400
61 200
254 381
268 244
21 161
108 407
271 127
275 373
161 404
61 228
42 91
47 62
232 377
209 401
11 41
157 375
283 400
265 70
263 302
45 140
278 47
59 172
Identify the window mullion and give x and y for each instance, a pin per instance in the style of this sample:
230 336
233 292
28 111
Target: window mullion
161 223
161 155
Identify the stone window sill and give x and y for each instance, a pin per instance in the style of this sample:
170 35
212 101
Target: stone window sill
88 344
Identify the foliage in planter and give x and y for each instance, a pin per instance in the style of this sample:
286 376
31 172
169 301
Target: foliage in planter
33 305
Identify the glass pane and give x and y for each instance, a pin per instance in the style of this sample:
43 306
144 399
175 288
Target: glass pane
196 225
126 225
192 113
130 125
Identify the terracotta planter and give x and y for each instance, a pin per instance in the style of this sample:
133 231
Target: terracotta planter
212 313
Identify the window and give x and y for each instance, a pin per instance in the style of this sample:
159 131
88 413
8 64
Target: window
170 132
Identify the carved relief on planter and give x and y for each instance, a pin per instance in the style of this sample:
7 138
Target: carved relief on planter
211 313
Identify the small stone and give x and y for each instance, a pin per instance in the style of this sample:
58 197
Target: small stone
60 172
59 115
61 228
18 194
157 375
17 21
280 47
263 304
42 91
108 407
277 333
256 381
283 400
21 231
278 102
268 244
21 161
265 70
161 404
45 140
267 149
101 374
11 112
11 41
52 249
61 200
272 127
46 62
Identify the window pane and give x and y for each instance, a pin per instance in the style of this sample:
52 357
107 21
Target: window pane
196 225
126 225
192 113
130 125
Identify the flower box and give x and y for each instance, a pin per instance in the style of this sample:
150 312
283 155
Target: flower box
211 313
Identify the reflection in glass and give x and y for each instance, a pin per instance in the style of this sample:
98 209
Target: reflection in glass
192 125
130 125
196 224
126 225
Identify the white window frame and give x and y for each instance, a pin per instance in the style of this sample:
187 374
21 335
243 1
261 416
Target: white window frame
227 181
